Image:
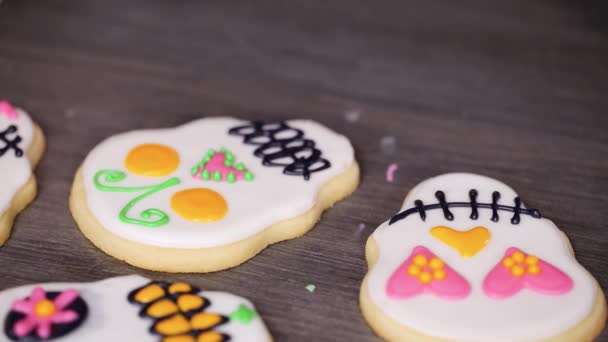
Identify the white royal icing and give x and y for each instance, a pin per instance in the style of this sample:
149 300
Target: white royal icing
252 206
525 316
15 171
111 317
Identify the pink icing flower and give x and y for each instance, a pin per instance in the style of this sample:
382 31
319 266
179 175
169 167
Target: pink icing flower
41 313
8 110
518 270
424 272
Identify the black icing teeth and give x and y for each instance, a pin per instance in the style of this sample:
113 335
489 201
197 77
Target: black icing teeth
444 205
7 144
284 146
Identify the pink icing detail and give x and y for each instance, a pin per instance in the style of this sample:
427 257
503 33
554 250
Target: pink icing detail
8 110
402 285
43 324
501 284
216 163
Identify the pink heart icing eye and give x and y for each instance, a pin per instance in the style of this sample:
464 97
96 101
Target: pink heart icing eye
518 270
424 272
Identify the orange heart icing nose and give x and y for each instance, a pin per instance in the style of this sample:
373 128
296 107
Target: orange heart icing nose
467 243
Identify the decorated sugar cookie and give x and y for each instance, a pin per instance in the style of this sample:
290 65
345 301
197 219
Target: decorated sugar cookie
129 308
465 260
210 194
21 147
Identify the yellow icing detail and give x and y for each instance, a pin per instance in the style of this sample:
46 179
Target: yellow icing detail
179 287
189 302
413 270
517 271
162 308
203 320
45 308
152 160
210 336
531 260
508 262
199 205
436 264
149 294
179 338
173 325
439 275
518 256
533 269
420 260
467 243
425 277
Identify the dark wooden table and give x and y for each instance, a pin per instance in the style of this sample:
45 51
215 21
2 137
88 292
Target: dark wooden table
517 90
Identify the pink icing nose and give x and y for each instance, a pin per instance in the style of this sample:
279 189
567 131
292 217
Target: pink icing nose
8 110
518 270
424 272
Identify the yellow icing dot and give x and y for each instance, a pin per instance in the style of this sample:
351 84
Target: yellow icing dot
161 308
439 274
210 336
199 205
533 269
152 160
425 277
179 288
45 308
420 260
518 256
517 271
531 260
174 325
149 294
179 338
413 270
508 262
436 263
204 321
189 302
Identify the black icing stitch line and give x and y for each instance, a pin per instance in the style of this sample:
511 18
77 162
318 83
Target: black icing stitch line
274 150
473 204
10 144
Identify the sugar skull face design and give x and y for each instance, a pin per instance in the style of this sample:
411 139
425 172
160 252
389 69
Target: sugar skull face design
465 260
211 182
128 308
16 135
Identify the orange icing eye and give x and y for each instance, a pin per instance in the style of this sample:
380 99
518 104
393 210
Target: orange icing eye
152 160
199 205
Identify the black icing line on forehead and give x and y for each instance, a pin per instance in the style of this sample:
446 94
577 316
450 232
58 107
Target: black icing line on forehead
282 145
445 206
7 144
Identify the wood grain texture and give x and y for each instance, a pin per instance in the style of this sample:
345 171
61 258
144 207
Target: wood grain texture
516 90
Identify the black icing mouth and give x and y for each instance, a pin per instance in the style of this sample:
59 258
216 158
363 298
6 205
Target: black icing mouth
421 208
282 145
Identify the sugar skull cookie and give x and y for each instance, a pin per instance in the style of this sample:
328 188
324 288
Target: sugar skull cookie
128 308
210 194
21 147
465 260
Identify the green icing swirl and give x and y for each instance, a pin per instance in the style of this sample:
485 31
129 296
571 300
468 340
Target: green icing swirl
148 218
